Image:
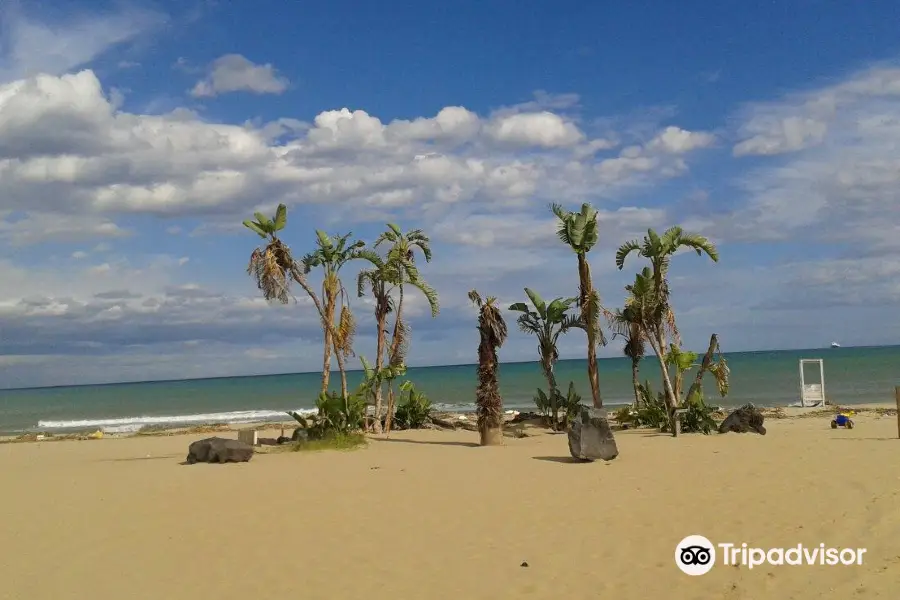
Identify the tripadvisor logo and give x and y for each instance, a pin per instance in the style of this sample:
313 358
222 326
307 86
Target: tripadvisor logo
696 555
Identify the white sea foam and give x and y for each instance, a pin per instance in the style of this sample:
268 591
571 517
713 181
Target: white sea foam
132 424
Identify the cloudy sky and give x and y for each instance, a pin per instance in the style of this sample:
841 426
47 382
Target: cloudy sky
135 137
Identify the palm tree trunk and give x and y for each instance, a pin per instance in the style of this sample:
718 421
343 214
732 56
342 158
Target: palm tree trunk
379 359
343 371
490 404
396 337
635 381
327 321
657 341
593 376
326 356
671 397
490 435
388 418
547 364
586 285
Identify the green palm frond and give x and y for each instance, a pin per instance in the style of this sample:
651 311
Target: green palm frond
431 295
624 250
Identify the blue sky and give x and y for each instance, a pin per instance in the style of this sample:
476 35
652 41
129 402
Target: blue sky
135 136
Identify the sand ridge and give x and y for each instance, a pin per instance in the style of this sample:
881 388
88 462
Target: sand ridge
429 515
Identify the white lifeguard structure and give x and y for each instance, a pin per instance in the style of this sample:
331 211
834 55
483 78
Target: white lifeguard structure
812 394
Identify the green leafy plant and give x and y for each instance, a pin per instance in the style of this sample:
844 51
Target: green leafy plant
698 419
547 322
626 415
542 402
570 404
335 415
652 411
414 408
333 441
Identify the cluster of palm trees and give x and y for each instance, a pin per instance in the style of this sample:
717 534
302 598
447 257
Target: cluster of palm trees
645 319
274 269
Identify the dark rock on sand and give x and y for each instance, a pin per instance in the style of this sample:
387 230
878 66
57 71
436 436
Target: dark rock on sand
743 420
219 450
300 435
590 436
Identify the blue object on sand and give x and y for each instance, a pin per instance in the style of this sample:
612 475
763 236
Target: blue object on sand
842 420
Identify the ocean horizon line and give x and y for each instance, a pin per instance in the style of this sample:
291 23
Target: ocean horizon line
434 366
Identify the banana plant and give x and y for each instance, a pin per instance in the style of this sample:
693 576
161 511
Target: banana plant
547 322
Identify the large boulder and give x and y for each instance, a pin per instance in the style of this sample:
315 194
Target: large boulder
219 450
743 420
590 436
300 435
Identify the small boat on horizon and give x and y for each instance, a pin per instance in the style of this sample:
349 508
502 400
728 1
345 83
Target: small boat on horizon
835 345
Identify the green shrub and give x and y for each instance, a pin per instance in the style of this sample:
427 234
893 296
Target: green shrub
332 441
652 410
542 402
626 415
570 404
413 409
698 416
335 415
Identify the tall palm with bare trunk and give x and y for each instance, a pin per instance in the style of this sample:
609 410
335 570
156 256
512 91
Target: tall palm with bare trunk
627 326
653 283
403 271
580 232
401 255
274 268
379 280
547 322
492 334
331 254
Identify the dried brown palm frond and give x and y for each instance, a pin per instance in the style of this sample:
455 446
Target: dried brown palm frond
271 267
401 340
346 330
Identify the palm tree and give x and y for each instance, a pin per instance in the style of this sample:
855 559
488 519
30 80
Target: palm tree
379 279
273 266
644 314
580 232
402 271
626 327
492 333
547 322
402 256
331 254
654 283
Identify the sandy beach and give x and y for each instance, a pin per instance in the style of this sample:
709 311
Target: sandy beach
428 515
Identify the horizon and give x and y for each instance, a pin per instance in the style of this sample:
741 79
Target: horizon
130 160
356 370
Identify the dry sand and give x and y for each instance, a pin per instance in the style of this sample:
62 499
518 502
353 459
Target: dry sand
427 515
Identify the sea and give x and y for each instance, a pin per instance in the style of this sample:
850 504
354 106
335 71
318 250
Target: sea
857 375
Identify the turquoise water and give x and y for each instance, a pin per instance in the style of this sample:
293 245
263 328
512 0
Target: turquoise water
771 378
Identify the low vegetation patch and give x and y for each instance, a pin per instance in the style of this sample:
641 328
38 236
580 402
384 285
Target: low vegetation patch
335 441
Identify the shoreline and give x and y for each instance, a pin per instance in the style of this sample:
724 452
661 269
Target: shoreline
511 416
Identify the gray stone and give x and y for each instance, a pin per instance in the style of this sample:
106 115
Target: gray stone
300 435
590 436
744 420
219 450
